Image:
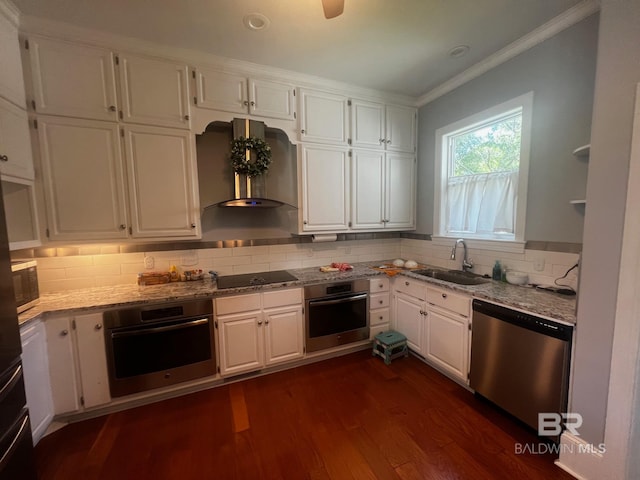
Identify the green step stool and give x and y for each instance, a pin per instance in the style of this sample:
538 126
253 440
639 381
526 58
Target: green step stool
389 346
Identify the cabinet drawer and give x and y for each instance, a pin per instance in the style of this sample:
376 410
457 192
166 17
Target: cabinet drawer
379 316
237 304
281 298
413 288
454 302
378 300
379 284
373 331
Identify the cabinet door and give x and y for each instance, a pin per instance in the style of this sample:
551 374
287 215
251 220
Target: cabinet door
154 92
11 81
221 91
367 124
62 366
325 188
367 189
73 80
241 343
400 191
446 342
409 319
83 179
401 128
36 378
271 99
163 189
15 143
284 335
92 359
323 117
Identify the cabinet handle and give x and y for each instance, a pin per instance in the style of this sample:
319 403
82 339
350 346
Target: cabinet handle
388 142
64 333
112 108
252 103
381 141
421 312
444 295
4 158
193 225
266 322
245 103
304 221
381 302
381 285
380 317
98 326
406 283
302 131
186 117
122 226
259 322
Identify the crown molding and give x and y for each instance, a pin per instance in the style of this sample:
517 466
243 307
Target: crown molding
9 11
31 25
544 32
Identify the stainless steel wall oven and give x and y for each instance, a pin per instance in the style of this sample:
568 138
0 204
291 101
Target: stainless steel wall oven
159 345
336 313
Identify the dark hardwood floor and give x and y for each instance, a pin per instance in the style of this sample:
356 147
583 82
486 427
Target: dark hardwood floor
346 418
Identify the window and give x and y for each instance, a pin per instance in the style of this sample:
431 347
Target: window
482 164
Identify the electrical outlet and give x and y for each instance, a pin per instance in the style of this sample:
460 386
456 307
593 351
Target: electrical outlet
149 262
538 264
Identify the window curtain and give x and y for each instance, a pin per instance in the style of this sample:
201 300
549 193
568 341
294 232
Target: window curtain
482 204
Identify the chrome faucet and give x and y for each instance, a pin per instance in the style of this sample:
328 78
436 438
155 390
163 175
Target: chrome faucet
466 262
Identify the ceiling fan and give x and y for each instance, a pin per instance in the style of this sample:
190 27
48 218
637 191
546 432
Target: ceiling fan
332 8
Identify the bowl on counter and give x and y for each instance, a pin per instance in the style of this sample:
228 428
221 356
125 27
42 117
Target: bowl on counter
517 278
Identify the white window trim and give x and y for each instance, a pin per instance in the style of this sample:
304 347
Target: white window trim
441 161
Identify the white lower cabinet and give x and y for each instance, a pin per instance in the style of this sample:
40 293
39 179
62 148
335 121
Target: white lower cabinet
378 306
259 329
77 362
36 377
436 322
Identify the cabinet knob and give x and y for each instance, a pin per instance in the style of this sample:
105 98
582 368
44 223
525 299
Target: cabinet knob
381 285
186 117
193 225
64 333
112 108
98 326
259 322
406 283
381 141
304 221
252 103
380 317
266 322
122 226
444 295
302 131
388 142
421 312
381 302
4 158
245 103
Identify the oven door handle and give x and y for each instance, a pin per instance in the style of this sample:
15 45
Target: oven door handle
168 328
354 298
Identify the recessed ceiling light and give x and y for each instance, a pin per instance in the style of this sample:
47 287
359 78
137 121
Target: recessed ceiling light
256 21
459 51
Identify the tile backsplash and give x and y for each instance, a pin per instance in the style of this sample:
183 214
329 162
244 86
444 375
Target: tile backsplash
94 268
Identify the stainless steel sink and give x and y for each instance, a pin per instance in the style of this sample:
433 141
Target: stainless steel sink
453 276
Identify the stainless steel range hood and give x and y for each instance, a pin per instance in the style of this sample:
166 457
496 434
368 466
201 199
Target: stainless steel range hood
249 192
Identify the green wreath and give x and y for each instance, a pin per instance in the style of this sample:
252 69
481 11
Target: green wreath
239 159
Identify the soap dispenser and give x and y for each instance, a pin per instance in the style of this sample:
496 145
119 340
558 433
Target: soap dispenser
497 271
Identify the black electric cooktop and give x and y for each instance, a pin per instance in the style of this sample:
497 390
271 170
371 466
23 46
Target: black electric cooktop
250 279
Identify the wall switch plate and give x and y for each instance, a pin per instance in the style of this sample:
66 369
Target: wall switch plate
538 264
149 262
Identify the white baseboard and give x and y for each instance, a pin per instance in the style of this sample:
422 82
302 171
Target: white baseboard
578 458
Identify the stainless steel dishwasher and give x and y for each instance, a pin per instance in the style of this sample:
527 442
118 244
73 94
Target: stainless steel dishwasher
519 361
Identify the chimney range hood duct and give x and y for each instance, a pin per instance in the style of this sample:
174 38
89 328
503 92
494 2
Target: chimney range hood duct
249 191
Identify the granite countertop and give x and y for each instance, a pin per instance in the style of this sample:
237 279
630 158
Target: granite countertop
538 302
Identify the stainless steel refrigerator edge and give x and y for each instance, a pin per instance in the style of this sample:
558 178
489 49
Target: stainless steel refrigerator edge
16 448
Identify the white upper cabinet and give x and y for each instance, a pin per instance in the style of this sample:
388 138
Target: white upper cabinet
400 191
83 179
401 128
11 81
73 80
324 117
367 124
16 159
163 187
154 91
235 93
324 194
390 127
368 189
